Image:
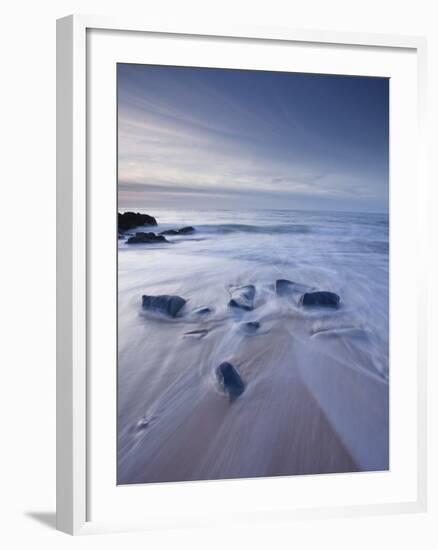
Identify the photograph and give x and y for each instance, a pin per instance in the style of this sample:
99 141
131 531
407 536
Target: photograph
252 274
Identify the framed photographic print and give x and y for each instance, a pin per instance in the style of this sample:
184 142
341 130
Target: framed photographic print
240 275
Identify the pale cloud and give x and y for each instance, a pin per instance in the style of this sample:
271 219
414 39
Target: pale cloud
223 150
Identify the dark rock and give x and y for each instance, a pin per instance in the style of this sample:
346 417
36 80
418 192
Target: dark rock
143 423
321 298
148 238
249 328
170 305
129 220
242 297
199 333
183 231
186 230
202 311
230 380
284 287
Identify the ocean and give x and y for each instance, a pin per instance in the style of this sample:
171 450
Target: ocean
324 373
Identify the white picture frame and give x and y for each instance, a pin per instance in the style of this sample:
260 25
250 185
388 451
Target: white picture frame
74 396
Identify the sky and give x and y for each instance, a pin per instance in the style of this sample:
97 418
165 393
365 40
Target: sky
200 138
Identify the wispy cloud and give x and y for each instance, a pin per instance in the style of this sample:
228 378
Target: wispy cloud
192 135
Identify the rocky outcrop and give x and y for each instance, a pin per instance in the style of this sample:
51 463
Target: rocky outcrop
183 231
166 304
321 298
146 238
242 297
230 380
130 220
305 295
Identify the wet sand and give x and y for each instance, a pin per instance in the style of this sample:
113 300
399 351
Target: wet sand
313 402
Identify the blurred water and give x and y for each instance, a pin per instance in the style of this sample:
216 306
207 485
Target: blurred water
346 253
163 373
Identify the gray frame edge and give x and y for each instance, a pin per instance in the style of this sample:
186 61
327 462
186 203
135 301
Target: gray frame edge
71 279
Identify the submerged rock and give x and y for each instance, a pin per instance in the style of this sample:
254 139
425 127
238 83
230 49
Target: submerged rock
186 230
198 334
230 380
129 220
284 287
183 231
249 328
320 298
142 238
143 423
167 304
203 311
242 297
